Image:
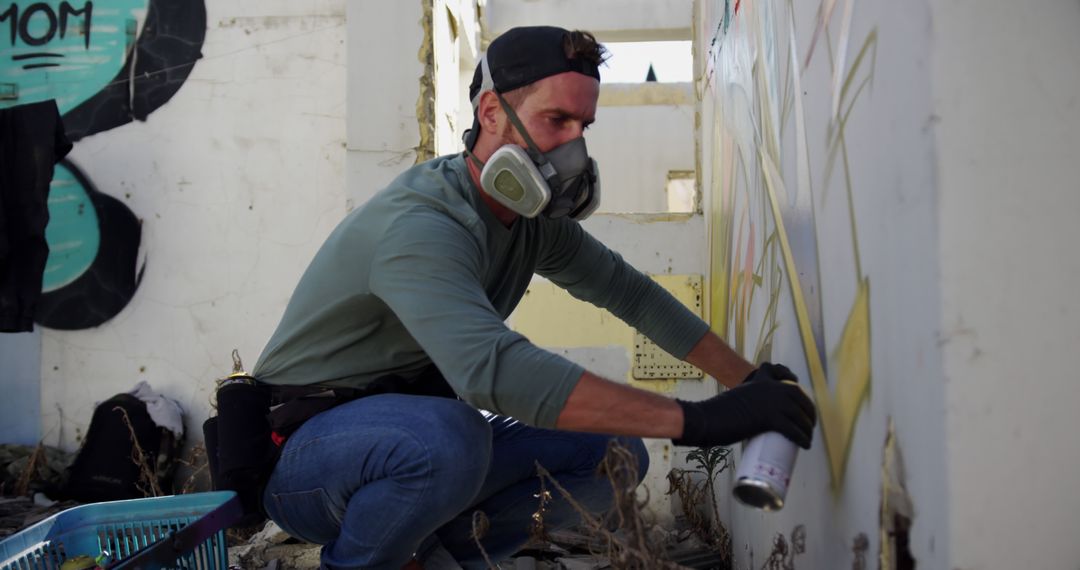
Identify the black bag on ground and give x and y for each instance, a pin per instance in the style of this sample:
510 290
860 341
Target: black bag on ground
125 455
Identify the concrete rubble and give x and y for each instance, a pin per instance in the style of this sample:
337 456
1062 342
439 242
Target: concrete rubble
272 549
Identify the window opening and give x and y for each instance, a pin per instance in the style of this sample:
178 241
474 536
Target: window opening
636 62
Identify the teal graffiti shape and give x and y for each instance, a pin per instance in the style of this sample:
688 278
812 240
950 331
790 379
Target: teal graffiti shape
73 232
67 50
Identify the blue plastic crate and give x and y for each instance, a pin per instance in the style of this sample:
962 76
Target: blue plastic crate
132 532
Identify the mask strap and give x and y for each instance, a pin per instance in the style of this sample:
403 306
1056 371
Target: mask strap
486 82
546 170
538 157
470 155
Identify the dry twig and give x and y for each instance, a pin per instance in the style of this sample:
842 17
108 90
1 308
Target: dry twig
538 532
694 492
198 463
620 466
480 527
148 480
634 552
22 484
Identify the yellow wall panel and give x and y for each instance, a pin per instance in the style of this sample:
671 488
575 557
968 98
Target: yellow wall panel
551 318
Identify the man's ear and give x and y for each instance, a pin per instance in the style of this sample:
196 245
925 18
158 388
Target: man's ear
490 113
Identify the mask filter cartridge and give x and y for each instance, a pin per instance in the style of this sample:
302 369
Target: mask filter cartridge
512 179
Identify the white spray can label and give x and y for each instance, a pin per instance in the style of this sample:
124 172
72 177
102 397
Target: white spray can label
764 472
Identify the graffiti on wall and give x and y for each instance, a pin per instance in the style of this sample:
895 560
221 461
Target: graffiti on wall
765 236
93 240
106 63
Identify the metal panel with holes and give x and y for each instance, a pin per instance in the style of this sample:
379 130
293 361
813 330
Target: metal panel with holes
650 361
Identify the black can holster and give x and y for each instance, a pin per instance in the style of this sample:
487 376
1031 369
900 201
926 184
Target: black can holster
239 448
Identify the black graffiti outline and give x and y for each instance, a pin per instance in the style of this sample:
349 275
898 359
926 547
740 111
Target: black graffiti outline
109 284
168 45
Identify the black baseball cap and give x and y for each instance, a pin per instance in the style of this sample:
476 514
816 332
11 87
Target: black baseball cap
519 57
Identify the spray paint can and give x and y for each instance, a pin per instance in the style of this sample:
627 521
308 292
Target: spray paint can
764 473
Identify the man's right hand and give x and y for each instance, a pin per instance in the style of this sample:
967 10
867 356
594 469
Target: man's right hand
763 402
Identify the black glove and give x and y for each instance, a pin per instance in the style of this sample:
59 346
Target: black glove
770 371
761 403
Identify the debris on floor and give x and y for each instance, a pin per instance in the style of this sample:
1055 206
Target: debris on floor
29 474
26 468
17 513
272 549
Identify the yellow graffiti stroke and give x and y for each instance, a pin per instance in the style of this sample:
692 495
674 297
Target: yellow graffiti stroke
837 410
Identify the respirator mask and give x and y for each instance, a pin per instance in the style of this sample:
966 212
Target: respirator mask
561 182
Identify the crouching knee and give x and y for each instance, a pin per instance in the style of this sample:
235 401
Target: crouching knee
460 445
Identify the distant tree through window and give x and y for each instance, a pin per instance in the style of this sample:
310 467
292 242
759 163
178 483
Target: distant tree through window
638 62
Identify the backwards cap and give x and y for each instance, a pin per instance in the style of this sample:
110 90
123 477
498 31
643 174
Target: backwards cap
519 57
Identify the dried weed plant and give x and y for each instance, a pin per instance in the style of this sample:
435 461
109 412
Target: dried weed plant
538 532
622 533
696 487
22 484
480 527
148 483
199 464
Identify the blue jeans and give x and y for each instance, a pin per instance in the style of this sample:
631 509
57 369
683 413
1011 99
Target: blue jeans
385 478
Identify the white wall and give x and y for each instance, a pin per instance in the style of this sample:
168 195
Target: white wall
962 156
1007 100
635 147
384 72
744 75
394 48
237 180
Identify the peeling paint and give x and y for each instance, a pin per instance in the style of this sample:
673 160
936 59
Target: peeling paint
897 511
859 545
425 102
782 556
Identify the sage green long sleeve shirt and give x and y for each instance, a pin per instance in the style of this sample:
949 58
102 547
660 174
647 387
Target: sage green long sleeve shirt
424 272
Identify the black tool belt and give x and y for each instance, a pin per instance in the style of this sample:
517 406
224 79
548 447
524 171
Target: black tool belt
291 406
254 420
